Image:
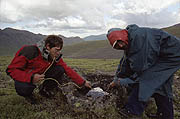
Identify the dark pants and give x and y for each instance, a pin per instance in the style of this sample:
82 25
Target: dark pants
163 103
26 89
164 106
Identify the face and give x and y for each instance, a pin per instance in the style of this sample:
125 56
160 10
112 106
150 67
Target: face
120 45
54 51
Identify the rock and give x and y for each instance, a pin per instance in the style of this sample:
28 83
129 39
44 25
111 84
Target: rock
96 93
176 77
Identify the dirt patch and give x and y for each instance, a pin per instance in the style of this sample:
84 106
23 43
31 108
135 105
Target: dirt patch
74 103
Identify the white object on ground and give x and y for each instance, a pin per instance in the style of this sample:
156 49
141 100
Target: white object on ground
96 92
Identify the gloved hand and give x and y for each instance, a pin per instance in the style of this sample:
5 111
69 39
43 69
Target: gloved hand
124 81
113 83
87 84
85 88
120 81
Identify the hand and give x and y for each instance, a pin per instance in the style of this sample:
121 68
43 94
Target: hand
88 84
111 85
125 81
38 77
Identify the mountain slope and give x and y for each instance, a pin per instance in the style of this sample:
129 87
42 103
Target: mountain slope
95 37
71 40
102 49
12 39
92 49
174 30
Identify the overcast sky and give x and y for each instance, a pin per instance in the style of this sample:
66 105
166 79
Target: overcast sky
86 17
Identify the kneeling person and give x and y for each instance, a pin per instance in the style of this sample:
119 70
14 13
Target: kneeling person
34 63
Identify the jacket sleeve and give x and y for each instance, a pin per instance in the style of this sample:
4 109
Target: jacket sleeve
123 69
18 67
71 73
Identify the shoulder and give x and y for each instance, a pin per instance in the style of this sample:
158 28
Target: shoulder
133 31
132 27
29 52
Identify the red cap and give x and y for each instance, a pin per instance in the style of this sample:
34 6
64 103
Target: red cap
114 36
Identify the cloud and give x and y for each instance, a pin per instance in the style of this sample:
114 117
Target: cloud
145 13
84 17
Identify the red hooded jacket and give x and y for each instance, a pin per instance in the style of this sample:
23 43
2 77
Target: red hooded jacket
29 60
116 35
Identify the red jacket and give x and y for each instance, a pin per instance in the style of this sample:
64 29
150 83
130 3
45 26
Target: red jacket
28 61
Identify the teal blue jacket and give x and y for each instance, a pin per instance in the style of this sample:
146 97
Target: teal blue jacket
152 57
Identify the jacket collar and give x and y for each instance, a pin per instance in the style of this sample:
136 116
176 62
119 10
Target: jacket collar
44 52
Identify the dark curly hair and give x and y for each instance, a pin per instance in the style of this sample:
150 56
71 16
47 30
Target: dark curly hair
54 41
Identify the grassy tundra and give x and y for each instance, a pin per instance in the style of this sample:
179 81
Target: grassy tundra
13 106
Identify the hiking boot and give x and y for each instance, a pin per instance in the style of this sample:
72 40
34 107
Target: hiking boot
154 116
31 99
48 89
127 114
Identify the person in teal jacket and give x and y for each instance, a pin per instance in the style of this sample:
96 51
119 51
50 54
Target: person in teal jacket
151 57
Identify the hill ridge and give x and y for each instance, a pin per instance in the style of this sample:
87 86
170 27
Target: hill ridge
75 47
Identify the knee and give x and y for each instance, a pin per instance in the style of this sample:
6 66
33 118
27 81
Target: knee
55 72
24 89
60 70
49 84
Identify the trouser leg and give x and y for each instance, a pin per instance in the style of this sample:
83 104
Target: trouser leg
164 106
24 89
133 105
55 72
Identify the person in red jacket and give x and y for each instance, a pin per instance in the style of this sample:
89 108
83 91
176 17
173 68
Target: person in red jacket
34 63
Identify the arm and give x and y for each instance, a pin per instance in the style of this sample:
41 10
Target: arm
71 73
123 69
123 74
18 67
